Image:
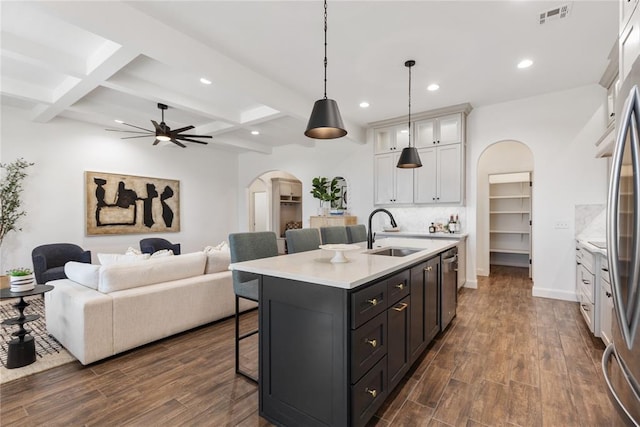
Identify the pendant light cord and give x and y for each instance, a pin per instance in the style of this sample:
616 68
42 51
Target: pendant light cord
325 49
409 105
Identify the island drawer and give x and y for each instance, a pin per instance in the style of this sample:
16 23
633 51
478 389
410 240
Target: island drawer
368 303
368 394
398 287
368 345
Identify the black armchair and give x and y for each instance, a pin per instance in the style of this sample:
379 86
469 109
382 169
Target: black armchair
154 244
49 260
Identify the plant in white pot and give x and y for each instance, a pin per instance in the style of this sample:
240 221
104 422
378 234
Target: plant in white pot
21 279
13 174
325 191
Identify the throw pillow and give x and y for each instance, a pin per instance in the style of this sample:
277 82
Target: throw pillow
108 259
161 253
218 258
133 251
83 273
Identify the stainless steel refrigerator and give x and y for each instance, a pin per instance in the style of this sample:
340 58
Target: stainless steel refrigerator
621 359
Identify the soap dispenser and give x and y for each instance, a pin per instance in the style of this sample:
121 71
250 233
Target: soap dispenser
432 228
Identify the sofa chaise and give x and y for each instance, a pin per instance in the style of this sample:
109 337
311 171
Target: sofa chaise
103 310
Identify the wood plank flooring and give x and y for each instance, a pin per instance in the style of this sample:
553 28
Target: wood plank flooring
508 359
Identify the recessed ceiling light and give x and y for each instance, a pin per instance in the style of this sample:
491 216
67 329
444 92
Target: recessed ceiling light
364 104
525 63
433 87
205 81
118 121
255 132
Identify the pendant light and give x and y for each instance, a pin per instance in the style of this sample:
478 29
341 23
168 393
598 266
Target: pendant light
409 157
325 121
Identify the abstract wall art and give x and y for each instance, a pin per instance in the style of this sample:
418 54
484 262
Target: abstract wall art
128 204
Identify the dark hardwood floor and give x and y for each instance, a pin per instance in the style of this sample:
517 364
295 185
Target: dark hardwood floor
508 359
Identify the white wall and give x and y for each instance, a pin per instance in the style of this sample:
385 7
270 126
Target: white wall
559 130
63 150
556 127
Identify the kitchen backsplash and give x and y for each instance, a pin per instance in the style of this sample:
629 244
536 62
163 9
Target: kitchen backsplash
420 218
591 221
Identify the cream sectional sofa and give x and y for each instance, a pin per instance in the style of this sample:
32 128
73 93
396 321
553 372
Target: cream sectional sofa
100 311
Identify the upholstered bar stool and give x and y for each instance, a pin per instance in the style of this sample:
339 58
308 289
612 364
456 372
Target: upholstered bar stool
331 235
357 233
302 240
246 247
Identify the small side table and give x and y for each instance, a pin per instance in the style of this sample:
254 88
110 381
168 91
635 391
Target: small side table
22 350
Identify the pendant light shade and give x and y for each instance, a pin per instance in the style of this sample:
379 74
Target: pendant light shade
325 121
409 158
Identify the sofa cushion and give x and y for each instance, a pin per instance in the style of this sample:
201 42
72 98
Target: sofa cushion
161 253
116 277
109 259
218 258
83 273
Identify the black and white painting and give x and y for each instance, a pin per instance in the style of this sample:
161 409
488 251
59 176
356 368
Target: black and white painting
127 204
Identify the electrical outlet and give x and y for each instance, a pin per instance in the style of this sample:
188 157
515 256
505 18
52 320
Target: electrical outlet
562 225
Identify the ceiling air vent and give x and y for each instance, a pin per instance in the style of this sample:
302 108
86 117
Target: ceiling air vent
555 13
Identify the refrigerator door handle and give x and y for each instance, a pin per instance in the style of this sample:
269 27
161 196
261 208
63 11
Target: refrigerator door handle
622 410
628 315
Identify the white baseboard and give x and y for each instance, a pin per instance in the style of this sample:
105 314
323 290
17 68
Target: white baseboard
554 294
471 284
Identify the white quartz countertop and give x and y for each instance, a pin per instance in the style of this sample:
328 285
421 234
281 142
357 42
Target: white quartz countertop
422 235
588 244
362 267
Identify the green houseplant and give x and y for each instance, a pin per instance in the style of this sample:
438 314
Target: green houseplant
21 279
10 191
324 190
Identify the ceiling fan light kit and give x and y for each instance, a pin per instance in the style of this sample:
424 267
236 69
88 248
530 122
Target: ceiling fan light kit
409 158
162 132
325 121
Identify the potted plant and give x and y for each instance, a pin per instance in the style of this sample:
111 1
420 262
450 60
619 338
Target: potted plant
21 279
10 191
320 191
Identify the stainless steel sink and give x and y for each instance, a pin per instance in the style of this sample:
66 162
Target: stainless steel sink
395 251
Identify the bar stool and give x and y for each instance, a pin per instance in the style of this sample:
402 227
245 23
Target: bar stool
246 247
357 233
302 240
332 235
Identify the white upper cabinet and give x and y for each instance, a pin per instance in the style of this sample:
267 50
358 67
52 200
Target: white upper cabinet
392 185
439 131
393 138
439 180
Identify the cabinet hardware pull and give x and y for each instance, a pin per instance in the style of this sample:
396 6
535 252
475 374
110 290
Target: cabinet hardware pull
578 263
605 269
401 307
373 301
400 286
373 343
586 282
371 391
585 307
608 294
428 268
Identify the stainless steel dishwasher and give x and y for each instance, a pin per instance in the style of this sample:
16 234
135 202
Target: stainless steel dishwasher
448 286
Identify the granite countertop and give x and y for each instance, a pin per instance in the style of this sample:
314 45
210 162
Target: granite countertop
593 245
422 234
363 267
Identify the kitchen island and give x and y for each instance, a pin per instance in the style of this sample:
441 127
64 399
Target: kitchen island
335 339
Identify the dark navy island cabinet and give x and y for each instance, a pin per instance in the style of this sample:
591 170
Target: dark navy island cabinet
331 356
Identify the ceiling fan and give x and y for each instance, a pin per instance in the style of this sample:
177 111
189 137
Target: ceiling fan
163 132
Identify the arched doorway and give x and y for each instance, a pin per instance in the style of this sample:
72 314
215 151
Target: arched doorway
275 203
503 157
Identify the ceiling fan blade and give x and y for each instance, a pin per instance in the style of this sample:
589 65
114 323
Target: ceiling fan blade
190 140
156 125
156 142
195 136
137 127
175 141
129 131
139 136
182 129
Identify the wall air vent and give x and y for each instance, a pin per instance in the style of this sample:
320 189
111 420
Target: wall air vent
555 13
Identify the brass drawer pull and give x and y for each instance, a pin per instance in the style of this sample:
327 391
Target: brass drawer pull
373 343
373 301
428 268
401 307
400 286
371 391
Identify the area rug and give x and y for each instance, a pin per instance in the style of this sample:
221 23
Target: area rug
49 352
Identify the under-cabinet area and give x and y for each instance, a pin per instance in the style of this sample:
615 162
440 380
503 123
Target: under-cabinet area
510 219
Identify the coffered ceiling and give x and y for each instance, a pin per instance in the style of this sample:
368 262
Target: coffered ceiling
98 61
